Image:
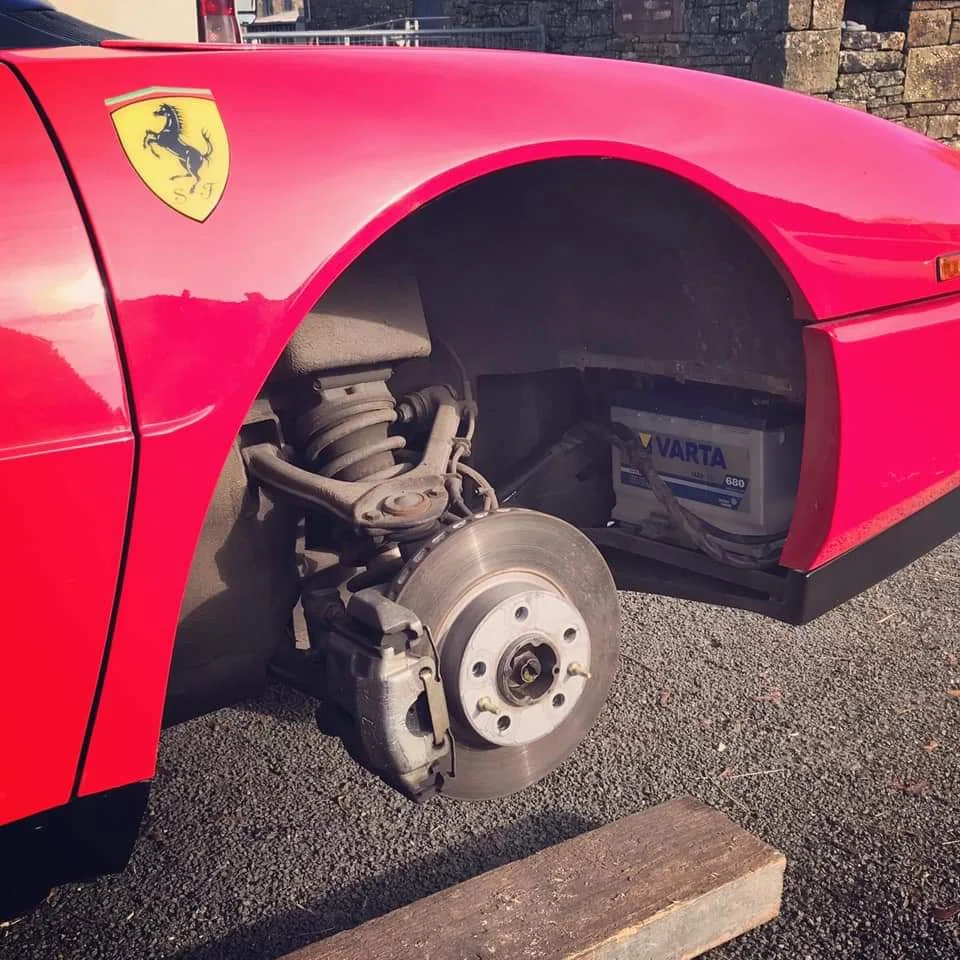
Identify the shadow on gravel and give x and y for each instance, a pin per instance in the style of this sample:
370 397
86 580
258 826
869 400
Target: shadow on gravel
356 904
281 703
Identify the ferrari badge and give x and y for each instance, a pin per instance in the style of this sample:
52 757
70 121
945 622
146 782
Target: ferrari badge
175 140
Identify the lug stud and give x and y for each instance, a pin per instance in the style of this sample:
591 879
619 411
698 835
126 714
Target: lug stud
578 670
486 705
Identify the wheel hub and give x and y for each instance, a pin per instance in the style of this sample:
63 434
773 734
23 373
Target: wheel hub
513 684
525 618
527 673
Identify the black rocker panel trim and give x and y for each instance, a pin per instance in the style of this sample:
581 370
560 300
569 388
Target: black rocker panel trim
814 593
788 595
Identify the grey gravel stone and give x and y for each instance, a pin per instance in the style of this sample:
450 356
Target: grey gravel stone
836 742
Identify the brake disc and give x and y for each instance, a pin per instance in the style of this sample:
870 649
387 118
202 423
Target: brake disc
525 617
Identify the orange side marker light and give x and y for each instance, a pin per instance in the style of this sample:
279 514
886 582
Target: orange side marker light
948 267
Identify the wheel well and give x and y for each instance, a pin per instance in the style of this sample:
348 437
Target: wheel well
530 281
575 261
533 275
568 263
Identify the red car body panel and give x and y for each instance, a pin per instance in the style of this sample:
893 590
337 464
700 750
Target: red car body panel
881 436
330 148
66 460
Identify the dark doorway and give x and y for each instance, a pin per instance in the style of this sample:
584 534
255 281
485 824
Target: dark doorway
880 15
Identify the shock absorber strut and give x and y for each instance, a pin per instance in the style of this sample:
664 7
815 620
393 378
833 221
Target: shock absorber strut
344 434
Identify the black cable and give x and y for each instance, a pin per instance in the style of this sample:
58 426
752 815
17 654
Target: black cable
717 544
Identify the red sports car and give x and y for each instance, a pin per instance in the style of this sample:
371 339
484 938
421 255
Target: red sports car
380 370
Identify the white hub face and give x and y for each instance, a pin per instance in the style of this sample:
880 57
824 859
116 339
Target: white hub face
524 667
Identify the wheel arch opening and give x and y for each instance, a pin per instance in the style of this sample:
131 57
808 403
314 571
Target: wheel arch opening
532 275
526 280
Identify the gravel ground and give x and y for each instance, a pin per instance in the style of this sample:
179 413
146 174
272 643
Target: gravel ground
838 742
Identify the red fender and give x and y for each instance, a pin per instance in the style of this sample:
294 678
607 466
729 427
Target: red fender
66 462
330 148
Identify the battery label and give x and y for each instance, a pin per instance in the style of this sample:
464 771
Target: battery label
687 451
698 471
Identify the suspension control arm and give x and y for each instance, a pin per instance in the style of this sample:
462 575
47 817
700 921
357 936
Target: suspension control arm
417 496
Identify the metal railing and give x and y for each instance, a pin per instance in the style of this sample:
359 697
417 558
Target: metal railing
409 34
410 23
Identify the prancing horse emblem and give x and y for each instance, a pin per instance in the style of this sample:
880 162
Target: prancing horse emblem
185 160
170 138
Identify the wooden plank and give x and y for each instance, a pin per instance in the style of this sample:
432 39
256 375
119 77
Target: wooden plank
665 884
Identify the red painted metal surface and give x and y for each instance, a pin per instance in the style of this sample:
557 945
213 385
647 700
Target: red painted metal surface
66 454
330 148
882 432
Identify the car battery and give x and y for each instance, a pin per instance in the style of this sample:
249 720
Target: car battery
730 457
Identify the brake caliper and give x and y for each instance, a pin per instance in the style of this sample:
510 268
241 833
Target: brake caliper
382 694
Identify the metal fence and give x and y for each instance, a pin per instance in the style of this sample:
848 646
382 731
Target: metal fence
408 33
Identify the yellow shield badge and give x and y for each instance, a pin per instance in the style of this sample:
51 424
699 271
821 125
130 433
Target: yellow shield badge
175 140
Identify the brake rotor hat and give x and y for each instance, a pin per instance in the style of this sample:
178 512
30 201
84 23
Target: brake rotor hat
514 684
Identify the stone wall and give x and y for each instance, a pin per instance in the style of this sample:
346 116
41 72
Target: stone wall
932 68
871 73
910 75
344 14
723 36
911 78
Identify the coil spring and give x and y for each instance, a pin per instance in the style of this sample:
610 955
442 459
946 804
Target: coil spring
345 435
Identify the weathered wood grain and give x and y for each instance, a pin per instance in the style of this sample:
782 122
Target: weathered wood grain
668 883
